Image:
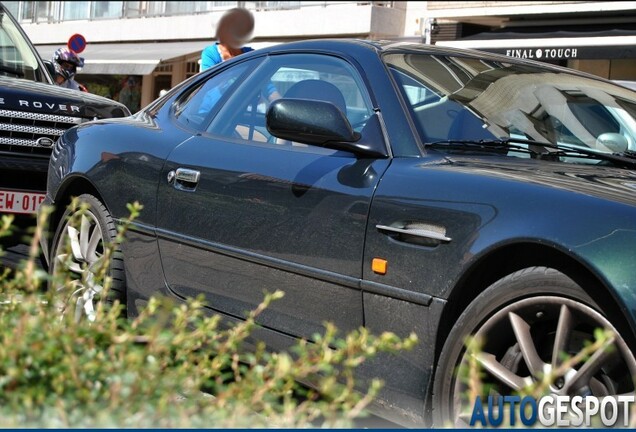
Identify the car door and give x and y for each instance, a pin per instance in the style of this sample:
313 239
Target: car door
241 213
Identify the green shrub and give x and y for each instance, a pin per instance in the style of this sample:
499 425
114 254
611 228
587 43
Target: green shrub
172 366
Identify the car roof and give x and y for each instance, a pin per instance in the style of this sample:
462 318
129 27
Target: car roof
378 47
629 84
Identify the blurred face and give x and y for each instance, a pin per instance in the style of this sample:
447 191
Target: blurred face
68 67
235 28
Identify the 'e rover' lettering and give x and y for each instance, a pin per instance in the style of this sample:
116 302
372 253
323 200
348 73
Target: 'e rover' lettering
51 106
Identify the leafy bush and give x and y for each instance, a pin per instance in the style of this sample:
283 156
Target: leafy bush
172 366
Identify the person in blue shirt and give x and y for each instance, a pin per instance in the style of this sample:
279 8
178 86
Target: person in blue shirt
233 30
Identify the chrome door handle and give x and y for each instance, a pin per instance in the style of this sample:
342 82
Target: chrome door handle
187 175
184 179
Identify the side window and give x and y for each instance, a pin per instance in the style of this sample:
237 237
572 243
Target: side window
10 56
16 57
197 108
301 76
438 117
415 92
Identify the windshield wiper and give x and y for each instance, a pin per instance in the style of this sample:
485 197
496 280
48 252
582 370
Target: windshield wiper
626 160
488 145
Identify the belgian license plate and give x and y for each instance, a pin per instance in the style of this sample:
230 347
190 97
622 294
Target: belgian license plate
20 202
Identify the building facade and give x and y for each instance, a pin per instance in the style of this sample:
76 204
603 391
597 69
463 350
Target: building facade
159 43
595 37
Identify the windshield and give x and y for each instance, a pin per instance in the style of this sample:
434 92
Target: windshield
17 58
463 98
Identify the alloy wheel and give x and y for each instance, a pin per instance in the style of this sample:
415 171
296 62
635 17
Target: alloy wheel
78 260
532 337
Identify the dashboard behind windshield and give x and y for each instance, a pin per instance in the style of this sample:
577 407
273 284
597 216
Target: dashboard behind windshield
465 98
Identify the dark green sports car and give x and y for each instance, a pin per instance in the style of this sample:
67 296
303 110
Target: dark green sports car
396 186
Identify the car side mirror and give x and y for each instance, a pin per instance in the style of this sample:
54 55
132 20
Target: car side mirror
613 141
316 123
322 124
309 122
50 68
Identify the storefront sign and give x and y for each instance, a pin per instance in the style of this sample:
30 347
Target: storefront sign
543 53
566 53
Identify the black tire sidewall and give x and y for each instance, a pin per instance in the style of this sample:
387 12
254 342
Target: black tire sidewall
526 283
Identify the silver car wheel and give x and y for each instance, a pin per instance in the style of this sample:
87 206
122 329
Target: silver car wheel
79 260
527 339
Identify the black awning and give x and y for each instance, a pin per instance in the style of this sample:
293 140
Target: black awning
557 45
526 32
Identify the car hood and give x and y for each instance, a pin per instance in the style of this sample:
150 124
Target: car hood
615 184
24 95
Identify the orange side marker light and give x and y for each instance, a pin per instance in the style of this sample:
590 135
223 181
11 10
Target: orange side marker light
379 266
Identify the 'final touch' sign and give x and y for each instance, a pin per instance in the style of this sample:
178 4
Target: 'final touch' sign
567 52
542 53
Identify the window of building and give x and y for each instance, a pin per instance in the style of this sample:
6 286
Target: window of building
192 68
161 83
107 9
76 10
27 12
180 7
137 9
14 8
154 8
275 5
164 67
33 11
44 11
132 9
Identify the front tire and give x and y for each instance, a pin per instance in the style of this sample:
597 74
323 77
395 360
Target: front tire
525 322
78 259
